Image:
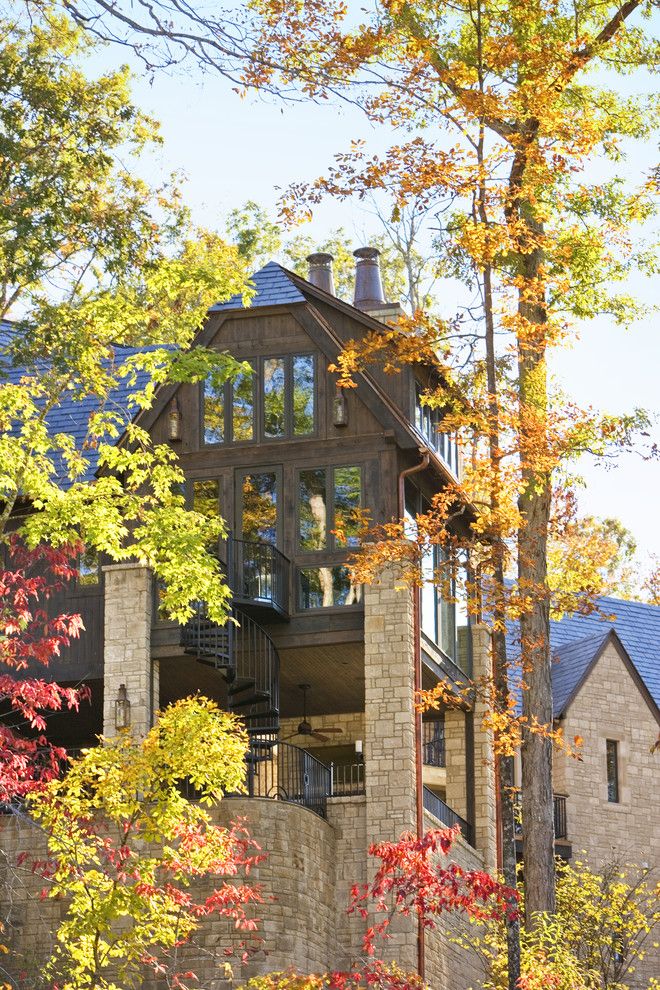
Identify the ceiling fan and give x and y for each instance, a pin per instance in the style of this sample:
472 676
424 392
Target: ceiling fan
305 727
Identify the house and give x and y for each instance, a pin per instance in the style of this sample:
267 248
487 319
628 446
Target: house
323 672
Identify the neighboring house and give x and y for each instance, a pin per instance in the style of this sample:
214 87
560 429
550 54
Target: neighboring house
323 671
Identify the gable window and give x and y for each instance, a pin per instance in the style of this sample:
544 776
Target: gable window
229 410
289 396
329 500
612 767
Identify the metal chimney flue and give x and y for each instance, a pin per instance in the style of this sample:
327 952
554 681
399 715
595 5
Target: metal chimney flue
320 271
368 284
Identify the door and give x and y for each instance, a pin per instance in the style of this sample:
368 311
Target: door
258 529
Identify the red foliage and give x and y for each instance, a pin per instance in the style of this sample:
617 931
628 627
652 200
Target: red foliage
29 636
411 879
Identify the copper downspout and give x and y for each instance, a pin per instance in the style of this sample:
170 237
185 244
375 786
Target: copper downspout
417 661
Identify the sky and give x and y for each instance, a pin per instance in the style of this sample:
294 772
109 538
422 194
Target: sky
232 149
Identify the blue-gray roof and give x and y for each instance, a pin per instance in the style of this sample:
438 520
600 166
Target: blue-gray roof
272 286
637 625
72 415
577 639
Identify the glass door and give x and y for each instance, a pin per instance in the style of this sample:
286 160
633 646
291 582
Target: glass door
258 530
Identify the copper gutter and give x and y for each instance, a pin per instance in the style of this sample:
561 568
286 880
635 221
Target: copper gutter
417 661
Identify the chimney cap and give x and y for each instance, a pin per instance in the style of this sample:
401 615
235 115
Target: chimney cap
366 254
319 258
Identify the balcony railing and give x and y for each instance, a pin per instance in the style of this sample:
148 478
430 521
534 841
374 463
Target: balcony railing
259 574
433 744
559 809
437 807
347 779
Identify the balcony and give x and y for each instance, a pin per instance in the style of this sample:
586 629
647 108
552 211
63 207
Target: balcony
440 810
563 847
433 744
259 576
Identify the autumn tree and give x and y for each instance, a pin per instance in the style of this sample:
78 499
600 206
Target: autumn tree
107 283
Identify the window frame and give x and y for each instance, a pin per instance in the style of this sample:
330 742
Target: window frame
241 473
288 359
228 412
613 784
324 609
332 545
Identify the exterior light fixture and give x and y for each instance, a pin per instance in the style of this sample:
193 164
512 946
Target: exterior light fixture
122 709
340 408
174 421
358 747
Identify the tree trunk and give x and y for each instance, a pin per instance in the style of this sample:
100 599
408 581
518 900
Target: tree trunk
534 505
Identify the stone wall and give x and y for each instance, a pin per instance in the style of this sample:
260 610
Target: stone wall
347 815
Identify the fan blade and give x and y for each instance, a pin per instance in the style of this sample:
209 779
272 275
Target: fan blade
291 735
319 736
332 731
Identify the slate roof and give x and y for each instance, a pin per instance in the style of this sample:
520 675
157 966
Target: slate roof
273 287
571 663
72 415
637 625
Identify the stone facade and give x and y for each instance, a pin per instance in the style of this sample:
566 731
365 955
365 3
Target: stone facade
127 653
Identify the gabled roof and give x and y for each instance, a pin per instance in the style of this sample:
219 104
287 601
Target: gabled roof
272 287
571 664
637 625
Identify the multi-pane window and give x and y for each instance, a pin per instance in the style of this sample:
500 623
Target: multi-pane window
206 497
286 400
329 500
428 422
612 767
229 410
289 396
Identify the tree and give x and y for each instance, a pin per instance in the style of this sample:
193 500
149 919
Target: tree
517 87
109 280
125 844
29 636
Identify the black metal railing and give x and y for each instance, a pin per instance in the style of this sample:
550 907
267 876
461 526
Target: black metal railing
259 574
283 772
559 811
433 743
437 807
347 779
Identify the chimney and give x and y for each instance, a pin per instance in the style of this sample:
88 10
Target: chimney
369 295
368 286
320 272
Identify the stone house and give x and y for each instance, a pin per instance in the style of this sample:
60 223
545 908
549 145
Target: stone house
324 672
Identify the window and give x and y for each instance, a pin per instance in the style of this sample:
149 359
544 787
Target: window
289 396
229 410
206 497
612 765
88 568
444 607
259 507
427 421
325 587
329 500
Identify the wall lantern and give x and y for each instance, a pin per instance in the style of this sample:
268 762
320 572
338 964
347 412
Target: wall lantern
340 408
174 421
122 709
358 748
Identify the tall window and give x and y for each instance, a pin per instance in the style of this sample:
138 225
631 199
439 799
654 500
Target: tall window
229 410
329 500
289 396
612 766
259 507
428 422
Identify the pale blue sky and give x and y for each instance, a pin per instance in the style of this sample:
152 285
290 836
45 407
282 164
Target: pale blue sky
232 150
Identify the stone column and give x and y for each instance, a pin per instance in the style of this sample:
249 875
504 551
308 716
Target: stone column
456 761
390 772
127 654
485 826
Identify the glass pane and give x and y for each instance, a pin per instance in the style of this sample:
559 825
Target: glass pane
612 771
313 510
322 587
214 413
274 422
88 567
348 488
260 507
428 596
242 417
303 394
206 498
